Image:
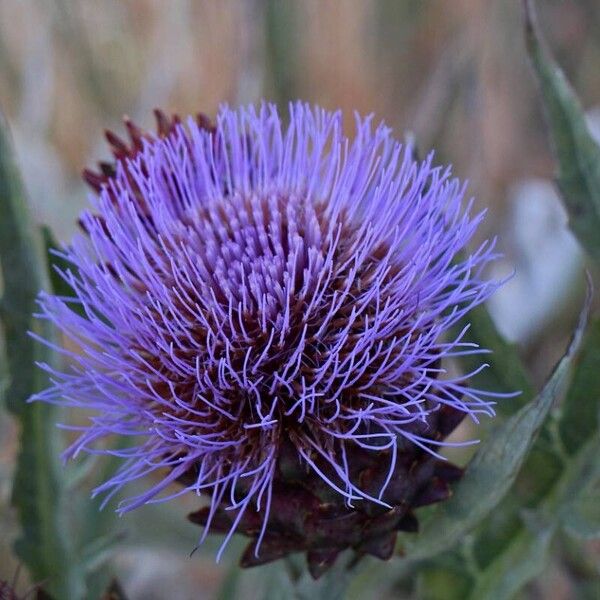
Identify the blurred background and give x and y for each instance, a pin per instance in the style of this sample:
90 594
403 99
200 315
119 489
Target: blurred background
452 74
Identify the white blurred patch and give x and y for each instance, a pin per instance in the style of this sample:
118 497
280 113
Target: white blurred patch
545 256
593 119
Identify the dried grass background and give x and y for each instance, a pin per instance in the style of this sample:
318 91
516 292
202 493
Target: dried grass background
452 72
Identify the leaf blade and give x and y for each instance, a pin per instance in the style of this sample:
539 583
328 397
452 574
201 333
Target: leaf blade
37 487
579 415
576 152
497 463
524 559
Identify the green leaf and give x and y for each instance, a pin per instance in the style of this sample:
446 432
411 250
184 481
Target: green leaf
583 520
578 416
506 372
289 579
579 504
525 554
97 533
523 559
331 586
496 464
99 530
99 552
560 482
38 486
576 151
374 578
578 422
23 274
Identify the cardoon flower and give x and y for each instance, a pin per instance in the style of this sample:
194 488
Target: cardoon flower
265 307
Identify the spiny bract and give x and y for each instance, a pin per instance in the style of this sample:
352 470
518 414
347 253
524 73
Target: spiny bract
261 307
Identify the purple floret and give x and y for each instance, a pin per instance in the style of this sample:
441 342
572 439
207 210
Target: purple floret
263 284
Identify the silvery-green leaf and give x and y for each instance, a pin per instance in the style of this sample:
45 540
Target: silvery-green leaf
38 485
523 559
374 578
579 413
98 552
495 466
457 577
289 579
558 480
568 504
100 529
510 553
579 504
98 533
23 275
576 151
583 520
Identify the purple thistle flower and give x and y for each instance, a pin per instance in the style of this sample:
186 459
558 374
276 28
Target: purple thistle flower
254 298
